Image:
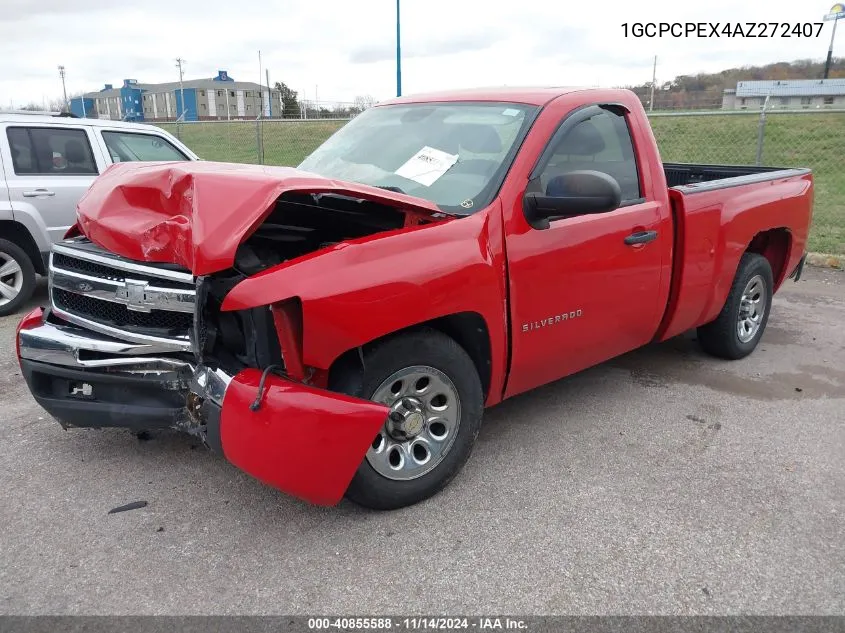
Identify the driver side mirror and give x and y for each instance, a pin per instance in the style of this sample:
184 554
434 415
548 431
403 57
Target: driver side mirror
570 195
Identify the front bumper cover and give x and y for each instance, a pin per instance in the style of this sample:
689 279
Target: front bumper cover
305 441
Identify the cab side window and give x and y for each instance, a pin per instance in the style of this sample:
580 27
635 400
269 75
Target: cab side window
50 151
601 143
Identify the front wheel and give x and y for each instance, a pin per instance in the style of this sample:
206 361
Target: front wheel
436 403
736 331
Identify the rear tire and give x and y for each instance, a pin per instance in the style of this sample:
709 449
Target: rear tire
422 375
737 330
17 277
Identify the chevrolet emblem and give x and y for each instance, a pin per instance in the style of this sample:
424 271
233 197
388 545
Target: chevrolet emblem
134 295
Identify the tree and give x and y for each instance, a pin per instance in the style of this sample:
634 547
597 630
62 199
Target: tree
704 90
290 104
57 104
362 102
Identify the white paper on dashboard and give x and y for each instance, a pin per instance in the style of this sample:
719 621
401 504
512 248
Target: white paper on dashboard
427 165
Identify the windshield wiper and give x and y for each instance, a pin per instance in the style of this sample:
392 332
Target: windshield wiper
389 188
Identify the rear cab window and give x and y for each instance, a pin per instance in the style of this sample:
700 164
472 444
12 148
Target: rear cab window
53 151
136 146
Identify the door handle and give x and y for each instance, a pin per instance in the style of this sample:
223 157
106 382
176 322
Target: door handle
641 237
38 193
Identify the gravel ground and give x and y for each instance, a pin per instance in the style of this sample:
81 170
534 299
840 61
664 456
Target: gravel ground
663 482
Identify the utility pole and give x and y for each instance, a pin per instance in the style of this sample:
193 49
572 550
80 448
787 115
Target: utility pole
653 81
830 51
258 137
179 62
260 88
269 95
837 12
398 55
64 90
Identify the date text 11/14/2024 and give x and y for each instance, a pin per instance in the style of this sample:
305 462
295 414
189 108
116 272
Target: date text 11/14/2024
417 624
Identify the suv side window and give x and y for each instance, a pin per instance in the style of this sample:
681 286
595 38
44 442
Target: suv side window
129 146
50 151
600 143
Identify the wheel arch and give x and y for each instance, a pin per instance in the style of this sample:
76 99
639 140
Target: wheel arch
467 329
18 233
776 246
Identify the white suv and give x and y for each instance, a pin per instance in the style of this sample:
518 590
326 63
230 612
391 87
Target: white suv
46 163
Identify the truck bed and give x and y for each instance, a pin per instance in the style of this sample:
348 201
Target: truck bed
720 212
720 176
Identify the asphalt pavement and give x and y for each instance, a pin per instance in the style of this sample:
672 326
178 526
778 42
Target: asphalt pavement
663 482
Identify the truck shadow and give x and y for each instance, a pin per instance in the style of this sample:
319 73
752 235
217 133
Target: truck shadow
654 365
570 405
679 363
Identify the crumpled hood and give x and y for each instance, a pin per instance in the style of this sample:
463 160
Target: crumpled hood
196 213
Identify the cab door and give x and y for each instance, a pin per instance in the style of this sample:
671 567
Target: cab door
587 288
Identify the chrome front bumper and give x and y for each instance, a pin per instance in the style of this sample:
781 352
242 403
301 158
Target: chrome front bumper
74 347
86 379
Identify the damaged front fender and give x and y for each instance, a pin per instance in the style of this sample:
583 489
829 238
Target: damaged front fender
304 441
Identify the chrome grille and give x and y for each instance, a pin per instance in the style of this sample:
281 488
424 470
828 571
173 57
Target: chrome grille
156 321
67 263
139 302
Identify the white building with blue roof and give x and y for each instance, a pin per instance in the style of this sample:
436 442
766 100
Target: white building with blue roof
791 94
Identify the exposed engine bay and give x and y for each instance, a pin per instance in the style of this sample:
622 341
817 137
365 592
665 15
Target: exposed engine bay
303 223
299 224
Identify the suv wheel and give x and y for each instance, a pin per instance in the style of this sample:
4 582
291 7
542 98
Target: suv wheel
17 277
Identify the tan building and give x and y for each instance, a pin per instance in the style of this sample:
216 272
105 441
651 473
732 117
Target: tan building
216 98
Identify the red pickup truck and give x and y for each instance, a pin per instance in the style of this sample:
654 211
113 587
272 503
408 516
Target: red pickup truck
338 328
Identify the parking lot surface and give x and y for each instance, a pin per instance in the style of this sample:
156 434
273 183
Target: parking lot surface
663 482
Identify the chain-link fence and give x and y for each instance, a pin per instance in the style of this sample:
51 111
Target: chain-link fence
266 142
802 138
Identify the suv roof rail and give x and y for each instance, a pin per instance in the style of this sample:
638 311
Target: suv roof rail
40 113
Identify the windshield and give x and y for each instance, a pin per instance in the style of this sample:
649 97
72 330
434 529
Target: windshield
453 154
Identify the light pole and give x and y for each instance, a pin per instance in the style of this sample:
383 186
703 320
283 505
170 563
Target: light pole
64 89
398 55
837 12
179 62
653 81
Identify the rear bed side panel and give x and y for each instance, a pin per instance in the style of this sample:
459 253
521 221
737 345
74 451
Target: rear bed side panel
359 291
304 441
717 226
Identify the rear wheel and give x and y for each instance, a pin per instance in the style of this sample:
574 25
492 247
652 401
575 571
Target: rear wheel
736 331
17 277
436 403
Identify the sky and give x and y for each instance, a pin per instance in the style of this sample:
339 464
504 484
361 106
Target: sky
336 50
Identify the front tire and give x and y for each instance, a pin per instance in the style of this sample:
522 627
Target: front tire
436 401
17 277
735 333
